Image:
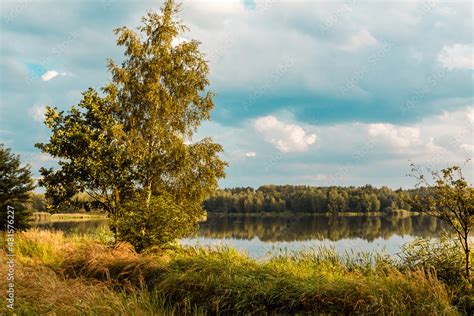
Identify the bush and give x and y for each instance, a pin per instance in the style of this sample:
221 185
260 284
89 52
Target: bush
446 259
160 223
443 255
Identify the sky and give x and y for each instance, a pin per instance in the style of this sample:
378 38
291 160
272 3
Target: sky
307 92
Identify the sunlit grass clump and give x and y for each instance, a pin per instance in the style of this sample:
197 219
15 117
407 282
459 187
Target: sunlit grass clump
82 275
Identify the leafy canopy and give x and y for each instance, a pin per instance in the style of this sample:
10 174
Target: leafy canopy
133 143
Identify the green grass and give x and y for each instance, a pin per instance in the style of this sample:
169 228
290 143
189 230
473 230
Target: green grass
77 275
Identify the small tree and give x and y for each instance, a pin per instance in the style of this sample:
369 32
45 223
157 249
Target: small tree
135 139
447 195
15 184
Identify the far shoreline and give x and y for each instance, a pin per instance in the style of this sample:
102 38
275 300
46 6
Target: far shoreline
399 213
66 217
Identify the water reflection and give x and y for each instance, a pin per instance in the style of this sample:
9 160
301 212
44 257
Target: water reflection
294 228
290 228
267 235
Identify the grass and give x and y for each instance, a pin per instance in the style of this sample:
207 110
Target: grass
445 258
78 275
40 290
44 216
229 282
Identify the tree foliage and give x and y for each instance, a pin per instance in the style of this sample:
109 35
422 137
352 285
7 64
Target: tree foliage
15 185
307 199
92 158
38 202
135 141
447 195
158 222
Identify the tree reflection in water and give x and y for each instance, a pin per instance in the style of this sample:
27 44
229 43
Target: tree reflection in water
298 228
291 228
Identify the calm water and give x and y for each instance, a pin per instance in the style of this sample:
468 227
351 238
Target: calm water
262 236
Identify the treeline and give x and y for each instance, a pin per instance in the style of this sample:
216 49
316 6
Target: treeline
37 202
308 199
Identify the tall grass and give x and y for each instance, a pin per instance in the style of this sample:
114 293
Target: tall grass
225 281
445 258
82 275
41 247
42 291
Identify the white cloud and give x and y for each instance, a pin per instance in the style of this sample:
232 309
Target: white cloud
444 137
317 177
469 148
285 137
249 45
178 40
445 11
37 112
250 154
395 136
231 35
45 157
359 40
470 115
433 142
457 56
50 74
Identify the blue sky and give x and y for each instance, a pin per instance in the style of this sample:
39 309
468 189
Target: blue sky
308 92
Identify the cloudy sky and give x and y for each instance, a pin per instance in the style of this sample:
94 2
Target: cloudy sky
308 92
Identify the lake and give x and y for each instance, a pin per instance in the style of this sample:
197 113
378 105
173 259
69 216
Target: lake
260 236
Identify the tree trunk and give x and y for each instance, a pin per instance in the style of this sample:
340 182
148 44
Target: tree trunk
468 253
115 216
114 231
148 194
468 269
116 198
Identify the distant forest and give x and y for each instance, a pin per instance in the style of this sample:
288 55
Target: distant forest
279 199
308 199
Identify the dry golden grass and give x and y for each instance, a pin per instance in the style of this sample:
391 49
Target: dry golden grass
226 281
120 264
73 276
40 290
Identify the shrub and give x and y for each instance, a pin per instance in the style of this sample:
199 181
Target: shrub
160 222
443 255
445 258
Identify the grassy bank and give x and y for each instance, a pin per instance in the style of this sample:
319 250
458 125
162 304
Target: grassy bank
82 275
44 216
